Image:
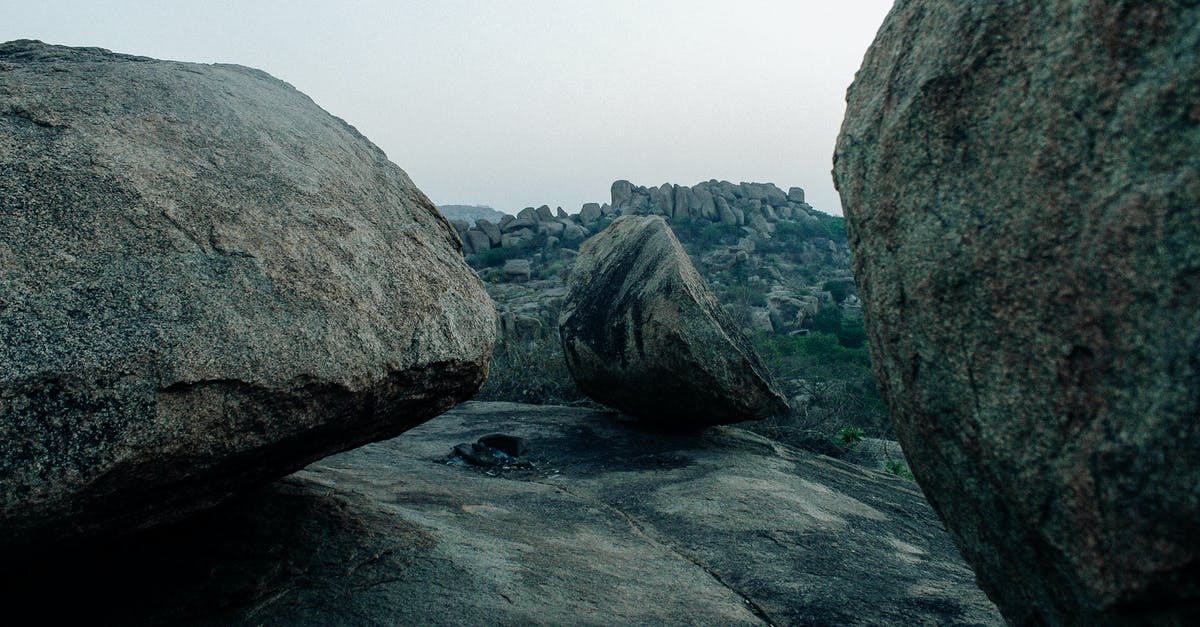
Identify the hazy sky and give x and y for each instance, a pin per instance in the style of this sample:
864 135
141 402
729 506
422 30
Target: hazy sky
513 103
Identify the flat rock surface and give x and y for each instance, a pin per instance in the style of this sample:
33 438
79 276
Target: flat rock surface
610 524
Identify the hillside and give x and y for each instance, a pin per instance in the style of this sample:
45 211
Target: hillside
780 267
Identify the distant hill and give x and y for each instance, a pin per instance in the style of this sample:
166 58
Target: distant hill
471 213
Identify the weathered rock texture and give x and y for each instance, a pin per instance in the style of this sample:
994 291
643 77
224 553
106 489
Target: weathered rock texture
1022 185
641 332
612 525
206 282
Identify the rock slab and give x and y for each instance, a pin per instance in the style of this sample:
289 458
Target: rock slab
611 524
1022 189
642 333
206 282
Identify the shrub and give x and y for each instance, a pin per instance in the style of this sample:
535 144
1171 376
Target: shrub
533 372
838 289
898 468
835 228
850 436
494 257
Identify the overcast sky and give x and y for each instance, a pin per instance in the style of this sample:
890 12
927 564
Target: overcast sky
513 103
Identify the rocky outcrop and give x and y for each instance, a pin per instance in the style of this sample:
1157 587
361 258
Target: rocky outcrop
531 230
617 525
472 214
755 205
206 282
642 333
1022 189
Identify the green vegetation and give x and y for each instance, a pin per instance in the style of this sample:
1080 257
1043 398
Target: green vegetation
818 355
849 332
532 371
849 436
494 257
700 235
838 289
831 386
899 468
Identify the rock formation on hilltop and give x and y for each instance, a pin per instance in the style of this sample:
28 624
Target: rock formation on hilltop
1022 187
756 206
206 282
471 213
641 332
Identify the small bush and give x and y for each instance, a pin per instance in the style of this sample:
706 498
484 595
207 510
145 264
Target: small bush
494 257
533 372
850 436
899 468
838 289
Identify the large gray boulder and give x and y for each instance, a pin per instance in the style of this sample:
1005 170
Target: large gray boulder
491 230
642 332
477 240
597 524
206 282
589 213
1022 188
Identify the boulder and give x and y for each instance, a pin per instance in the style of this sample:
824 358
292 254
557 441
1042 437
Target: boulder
478 241
642 332
666 199
760 320
726 214
773 196
206 282
795 195
526 219
752 191
760 224
543 214
491 230
1022 189
622 194
682 202
589 213
517 239
573 233
653 202
514 326
559 214
518 269
460 227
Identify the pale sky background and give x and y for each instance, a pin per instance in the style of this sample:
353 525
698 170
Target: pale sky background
513 103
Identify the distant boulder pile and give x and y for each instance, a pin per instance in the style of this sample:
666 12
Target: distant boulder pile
530 228
757 206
